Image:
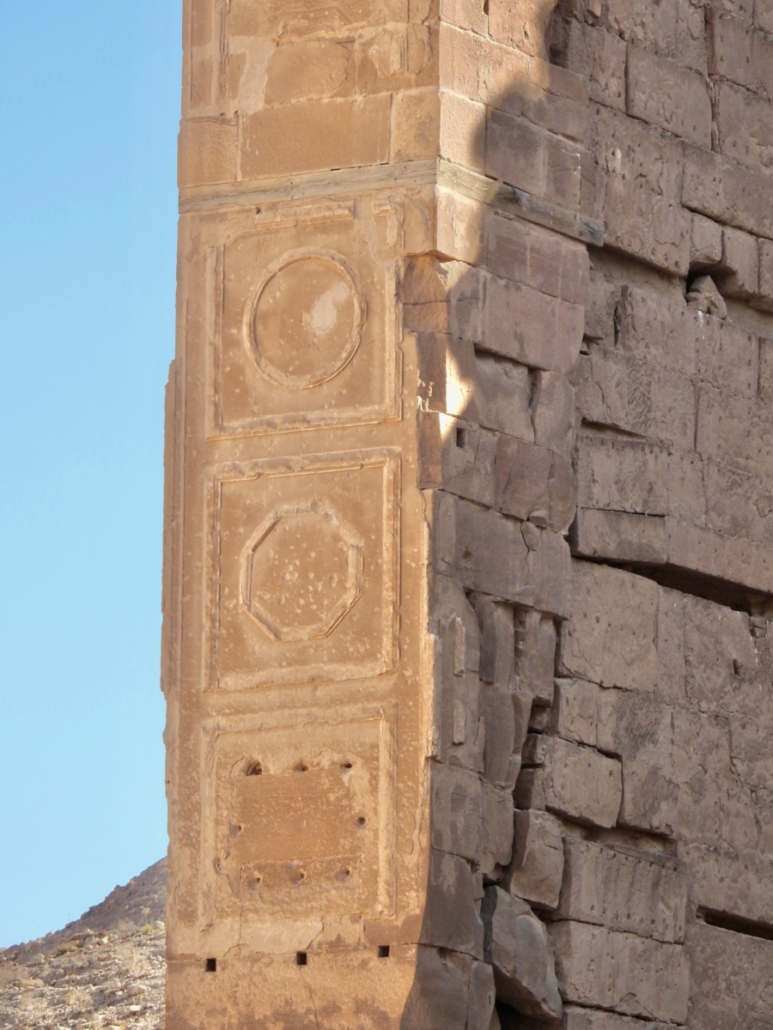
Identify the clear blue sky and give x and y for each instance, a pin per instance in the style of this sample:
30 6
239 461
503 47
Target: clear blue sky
89 100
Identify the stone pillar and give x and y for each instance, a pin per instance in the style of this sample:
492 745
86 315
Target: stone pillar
382 277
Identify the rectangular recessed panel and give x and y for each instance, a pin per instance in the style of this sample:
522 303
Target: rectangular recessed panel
300 816
303 570
303 320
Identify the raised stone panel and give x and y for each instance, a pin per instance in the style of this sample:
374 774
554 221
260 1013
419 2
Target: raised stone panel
303 322
302 570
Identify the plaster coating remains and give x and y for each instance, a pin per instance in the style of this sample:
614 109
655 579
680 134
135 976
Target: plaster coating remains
468 562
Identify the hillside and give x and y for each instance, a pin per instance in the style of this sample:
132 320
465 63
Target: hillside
105 970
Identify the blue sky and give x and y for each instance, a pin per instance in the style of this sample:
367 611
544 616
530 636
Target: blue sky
89 100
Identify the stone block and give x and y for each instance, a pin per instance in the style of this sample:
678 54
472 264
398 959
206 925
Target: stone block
555 99
622 475
536 871
635 893
466 14
553 412
610 636
502 393
727 356
536 258
458 456
209 152
496 847
481 998
764 299
517 946
598 56
642 175
745 128
669 96
596 1019
705 242
577 782
415 125
633 975
457 811
732 977
531 327
738 273
461 130
763 15
309 69
535 649
522 24
719 650
457 227
601 301
522 478
315 135
646 26
655 326
719 188
526 156
506 716
562 490
574 714
620 536
739 53
451 917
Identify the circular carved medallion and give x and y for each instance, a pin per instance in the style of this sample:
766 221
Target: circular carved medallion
305 321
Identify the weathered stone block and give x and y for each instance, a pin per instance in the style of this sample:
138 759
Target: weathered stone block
209 149
451 915
536 871
738 273
620 536
577 782
706 242
732 978
636 893
633 975
764 300
535 648
725 191
481 998
517 946
553 412
668 95
610 636
574 714
315 135
622 475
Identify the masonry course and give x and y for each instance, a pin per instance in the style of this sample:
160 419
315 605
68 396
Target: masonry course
468 565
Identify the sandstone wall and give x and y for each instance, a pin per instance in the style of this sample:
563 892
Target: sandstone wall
469 510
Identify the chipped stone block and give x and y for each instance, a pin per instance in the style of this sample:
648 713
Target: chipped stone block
496 846
441 986
598 56
535 643
636 893
517 946
209 149
521 478
764 299
450 917
668 95
553 412
574 714
536 871
457 456
582 784
595 1019
633 975
744 129
705 242
562 493
610 636
458 805
739 53
738 272
482 994
620 536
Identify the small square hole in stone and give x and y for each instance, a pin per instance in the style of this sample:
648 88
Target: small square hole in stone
301 958
383 951
461 438
211 965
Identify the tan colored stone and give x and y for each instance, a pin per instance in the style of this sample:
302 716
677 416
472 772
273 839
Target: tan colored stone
606 605
739 270
668 95
706 242
208 152
635 893
633 975
577 782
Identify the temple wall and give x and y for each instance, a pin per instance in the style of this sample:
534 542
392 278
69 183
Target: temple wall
469 509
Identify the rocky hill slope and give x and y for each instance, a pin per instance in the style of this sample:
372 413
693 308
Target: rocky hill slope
105 970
